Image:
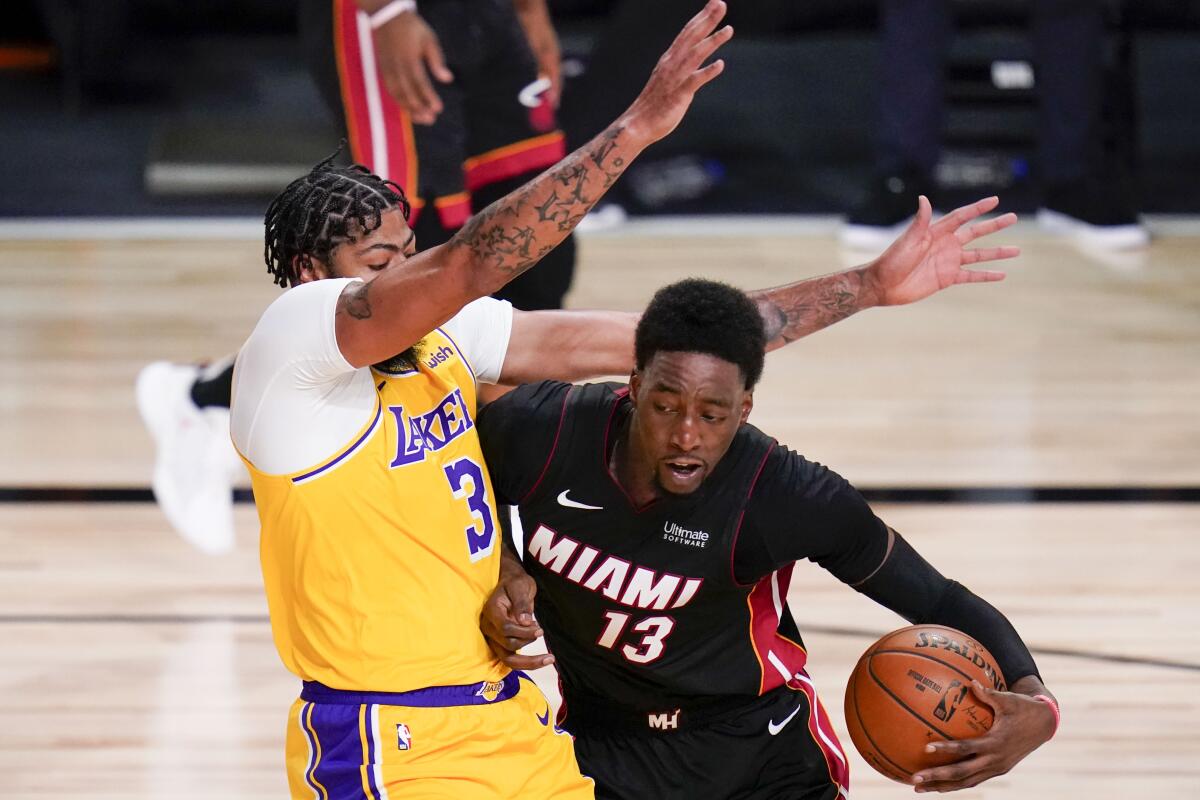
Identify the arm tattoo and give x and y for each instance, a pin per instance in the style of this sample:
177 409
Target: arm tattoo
798 309
356 301
512 234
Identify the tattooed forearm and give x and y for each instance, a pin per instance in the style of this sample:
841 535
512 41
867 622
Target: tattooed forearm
798 309
512 234
356 300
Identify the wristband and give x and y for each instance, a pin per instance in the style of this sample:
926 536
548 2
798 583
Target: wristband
1053 707
389 12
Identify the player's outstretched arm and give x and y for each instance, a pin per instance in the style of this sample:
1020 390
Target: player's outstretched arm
1020 725
926 258
378 319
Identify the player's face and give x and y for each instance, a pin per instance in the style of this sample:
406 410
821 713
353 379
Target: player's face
689 407
367 256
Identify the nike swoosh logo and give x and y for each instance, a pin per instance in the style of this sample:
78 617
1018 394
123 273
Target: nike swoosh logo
531 95
545 720
563 500
774 728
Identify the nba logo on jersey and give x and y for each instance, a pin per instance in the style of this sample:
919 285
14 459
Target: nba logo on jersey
403 736
490 690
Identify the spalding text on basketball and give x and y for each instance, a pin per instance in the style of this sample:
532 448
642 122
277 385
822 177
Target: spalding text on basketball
969 653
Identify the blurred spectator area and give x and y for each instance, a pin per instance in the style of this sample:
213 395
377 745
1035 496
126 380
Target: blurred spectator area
171 107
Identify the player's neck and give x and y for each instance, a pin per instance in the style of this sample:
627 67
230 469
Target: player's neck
630 469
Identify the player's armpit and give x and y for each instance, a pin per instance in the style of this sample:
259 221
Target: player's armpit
569 345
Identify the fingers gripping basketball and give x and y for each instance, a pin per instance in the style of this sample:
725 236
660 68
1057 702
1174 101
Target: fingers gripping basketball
913 687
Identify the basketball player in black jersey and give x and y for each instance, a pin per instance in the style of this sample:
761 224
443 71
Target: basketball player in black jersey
661 530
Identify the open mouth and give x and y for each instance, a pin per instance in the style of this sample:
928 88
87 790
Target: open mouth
683 470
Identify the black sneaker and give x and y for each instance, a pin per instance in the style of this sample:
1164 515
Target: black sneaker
887 210
1095 212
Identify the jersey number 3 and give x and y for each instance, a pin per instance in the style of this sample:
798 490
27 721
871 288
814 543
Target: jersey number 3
466 482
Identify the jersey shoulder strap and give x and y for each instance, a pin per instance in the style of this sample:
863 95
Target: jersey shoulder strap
588 413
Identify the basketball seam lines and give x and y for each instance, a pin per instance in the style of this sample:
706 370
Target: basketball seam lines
928 657
900 702
862 727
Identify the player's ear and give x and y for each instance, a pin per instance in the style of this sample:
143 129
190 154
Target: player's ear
747 405
308 268
635 382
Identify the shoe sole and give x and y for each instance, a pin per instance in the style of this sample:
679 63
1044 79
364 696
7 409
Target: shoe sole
1108 237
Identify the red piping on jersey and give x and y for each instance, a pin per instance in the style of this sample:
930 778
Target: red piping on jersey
821 730
622 392
514 159
765 636
453 210
561 418
561 716
395 133
738 530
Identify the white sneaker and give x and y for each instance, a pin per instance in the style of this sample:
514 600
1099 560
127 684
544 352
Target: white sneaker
192 480
872 239
605 217
1102 237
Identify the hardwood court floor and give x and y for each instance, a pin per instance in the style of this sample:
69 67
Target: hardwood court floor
134 669
130 667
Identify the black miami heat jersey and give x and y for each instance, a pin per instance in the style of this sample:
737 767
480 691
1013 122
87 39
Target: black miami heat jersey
677 607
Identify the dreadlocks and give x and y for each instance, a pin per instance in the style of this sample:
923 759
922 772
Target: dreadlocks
323 209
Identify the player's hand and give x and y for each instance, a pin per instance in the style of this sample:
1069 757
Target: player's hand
930 257
1021 725
508 624
678 75
543 41
408 52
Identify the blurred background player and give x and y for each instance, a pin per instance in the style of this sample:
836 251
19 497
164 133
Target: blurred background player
453 101
1083 193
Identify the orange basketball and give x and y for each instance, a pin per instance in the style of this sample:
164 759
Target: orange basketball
912 687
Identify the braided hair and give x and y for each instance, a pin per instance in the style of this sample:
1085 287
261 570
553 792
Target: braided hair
325 208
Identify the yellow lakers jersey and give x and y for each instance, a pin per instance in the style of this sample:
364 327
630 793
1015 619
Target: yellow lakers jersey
377 562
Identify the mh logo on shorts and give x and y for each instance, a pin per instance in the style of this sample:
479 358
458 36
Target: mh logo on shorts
490 690
403 736
664 722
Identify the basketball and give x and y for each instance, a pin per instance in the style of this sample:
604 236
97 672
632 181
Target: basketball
913 687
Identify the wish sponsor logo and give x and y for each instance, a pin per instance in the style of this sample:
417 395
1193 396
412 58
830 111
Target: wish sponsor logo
674 533
442 355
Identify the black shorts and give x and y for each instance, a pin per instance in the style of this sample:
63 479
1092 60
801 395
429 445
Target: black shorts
491 129
767 750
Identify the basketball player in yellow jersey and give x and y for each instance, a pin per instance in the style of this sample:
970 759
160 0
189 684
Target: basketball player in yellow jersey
354 405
